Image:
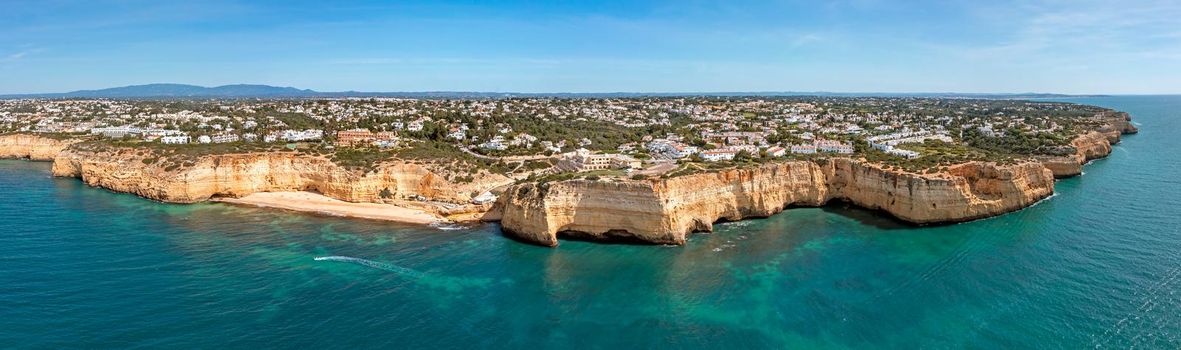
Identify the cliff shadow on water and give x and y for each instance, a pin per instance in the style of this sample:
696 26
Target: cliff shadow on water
617 237
876 218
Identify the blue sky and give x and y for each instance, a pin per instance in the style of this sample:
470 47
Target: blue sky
1078 46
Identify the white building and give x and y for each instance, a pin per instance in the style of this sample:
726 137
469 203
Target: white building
306 135
903 153
524 139
175 140
457 134
584 160
204 139
671 149
833 146
115 131
225 138
718 154
803 149
889 149
497 143
549 146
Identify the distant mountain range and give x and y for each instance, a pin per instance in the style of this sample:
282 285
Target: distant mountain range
182 91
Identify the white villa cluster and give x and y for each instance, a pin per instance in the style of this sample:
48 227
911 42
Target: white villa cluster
175 140
523 132
670 148
886 143
829 146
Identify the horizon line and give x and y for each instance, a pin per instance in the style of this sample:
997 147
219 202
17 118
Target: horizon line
732 92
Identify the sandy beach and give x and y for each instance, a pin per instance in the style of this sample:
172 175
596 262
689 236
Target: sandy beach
312 202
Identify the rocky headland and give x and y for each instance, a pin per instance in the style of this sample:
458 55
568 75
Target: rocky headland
1091 145
236 175
666 211
32 147
202 178
659 210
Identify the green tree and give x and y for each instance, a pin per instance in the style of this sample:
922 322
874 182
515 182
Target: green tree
742 156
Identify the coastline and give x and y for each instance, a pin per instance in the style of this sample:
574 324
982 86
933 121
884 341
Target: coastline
658 211
315 203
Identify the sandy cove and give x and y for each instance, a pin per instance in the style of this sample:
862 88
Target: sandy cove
316 203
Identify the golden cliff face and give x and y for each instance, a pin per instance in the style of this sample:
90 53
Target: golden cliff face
1090 146
662 211
1064 166
966 191
1093 145
656 211
33 147
235 175
667 210
1121 122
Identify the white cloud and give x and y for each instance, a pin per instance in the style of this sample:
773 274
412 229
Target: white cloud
19 55
1054 33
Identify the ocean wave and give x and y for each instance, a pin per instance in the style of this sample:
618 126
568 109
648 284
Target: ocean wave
1055 194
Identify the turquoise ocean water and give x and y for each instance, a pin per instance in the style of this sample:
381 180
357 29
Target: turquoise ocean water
1096 266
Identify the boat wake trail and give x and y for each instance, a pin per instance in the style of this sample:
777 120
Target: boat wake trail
449 283
374 264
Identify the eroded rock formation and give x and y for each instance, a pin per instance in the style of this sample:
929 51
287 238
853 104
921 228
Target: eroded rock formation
235 175
1092 145
667 210
655 211
25 146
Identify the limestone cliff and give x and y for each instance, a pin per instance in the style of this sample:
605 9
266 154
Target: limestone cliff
1064 166
1091 145
1121 122
964 192
33 147
657 211
667 210
235 175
